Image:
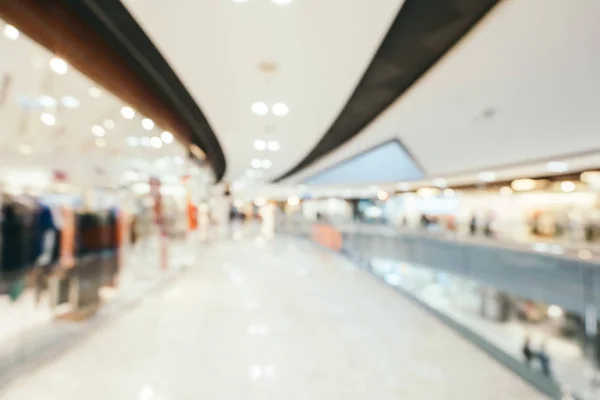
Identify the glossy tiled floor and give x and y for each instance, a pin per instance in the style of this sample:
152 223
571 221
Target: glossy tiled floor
278 319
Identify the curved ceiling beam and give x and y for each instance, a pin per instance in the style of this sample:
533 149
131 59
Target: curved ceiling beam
423 31
103 41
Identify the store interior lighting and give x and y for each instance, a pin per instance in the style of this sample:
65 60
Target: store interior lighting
260 145
293 201
48 119
70 102
273 145
47 101
280 109
59 65
156 142
10 32
167 137
95 92
521 185
127 112
100 142
567 186
147 124
97 130
260 108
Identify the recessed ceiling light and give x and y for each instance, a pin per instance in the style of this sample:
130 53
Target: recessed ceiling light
260 108
403 186
178 160
11 32
127 112
266 164
145 141
95 92
260 145
59 65
256 163
48 119
156 142
109 124
280 109
47 101
273 145
70 102
133 141
97 130
487 176
148 124
440 182
167 137
557 166
25 149
100 142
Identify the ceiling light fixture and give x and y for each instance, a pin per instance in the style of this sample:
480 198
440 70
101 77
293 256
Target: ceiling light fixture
178 160
280 109
47 101
156 142
260 108
487 176
255 163
99 131
10 32
557 166
133 141
59 65
100 142
266 164
145 141
260 145
273 145
440 182
127 112
167 137
109 124
70 102
147 124
48 119
94 92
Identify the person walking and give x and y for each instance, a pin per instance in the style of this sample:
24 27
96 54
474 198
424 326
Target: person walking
527 352
544 360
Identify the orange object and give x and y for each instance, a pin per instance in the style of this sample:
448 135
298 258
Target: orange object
327 236
67 238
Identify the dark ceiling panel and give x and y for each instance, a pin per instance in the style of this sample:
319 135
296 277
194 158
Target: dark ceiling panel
423 31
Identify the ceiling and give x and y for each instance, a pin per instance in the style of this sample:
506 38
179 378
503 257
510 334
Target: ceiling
519 90
308 54
89 156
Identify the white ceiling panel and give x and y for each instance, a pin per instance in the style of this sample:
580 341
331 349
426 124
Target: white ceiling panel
520 87
318 49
